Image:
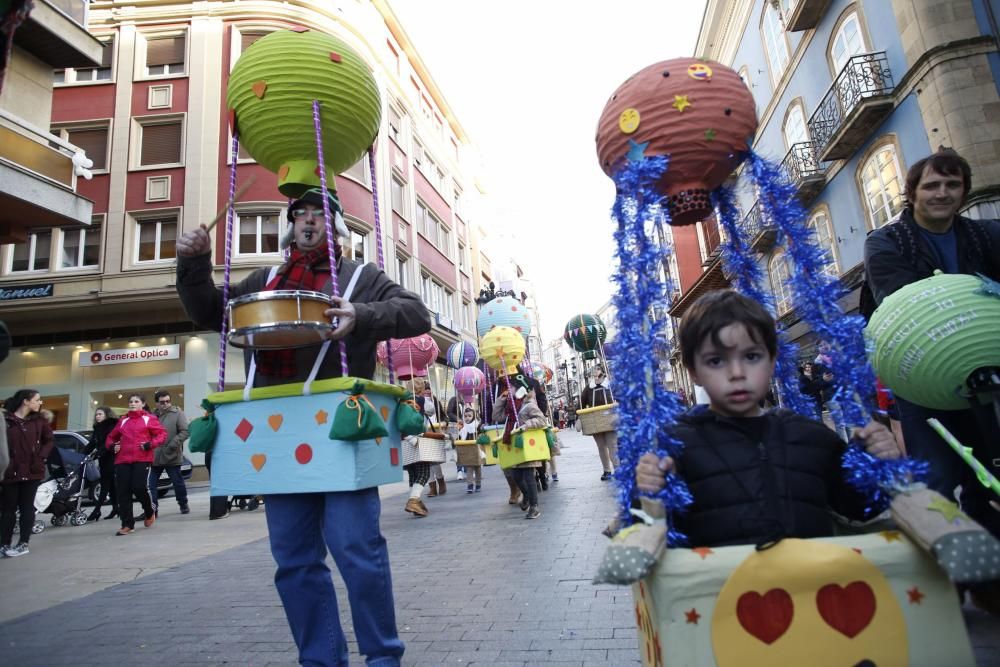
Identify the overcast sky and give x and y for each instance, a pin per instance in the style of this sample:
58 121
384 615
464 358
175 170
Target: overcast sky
528 79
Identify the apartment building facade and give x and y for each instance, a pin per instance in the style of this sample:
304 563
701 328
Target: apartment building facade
149 110
849 94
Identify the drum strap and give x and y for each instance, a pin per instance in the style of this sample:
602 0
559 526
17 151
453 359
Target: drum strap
306 388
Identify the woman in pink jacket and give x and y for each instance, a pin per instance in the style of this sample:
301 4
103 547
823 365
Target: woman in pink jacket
133 439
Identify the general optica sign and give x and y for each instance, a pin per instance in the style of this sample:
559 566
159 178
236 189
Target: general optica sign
130 355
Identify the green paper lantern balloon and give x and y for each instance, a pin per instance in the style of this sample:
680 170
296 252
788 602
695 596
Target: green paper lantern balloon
585 332
928 337
270 96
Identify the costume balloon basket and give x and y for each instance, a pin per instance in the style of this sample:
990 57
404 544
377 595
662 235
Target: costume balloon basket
525 445
600 419
874 599
427 448
467 453
279 439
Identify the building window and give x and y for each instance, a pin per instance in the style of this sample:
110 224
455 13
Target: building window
165 55
91 140
398 196
156 238
81 247
395 125
89 74
160 142
403 272
820 223
463 262
357 245
774 43
881 182
847 41
359 170
794 129
433 229
449 304
425 289
248 38
33 254
779 284
259 233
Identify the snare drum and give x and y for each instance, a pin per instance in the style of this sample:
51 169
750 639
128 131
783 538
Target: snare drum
279 319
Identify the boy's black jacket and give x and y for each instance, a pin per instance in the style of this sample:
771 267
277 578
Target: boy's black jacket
754 491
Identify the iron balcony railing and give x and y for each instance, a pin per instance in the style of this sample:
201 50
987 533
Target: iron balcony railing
801 163
753 223
863 77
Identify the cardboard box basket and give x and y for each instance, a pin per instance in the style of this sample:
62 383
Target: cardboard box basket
536 448
279 441
601 419
862 599
467 453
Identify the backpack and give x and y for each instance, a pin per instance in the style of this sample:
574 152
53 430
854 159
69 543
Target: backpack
908 246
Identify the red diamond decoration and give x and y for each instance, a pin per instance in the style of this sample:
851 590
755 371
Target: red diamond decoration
243 430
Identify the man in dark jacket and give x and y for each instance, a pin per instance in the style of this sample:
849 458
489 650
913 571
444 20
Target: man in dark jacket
302 527
930 235
170 455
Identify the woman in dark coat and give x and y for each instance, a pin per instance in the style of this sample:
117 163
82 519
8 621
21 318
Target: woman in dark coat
29 442
104 422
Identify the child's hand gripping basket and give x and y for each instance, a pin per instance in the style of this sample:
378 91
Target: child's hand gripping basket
278 440
527 445
601 419
860 600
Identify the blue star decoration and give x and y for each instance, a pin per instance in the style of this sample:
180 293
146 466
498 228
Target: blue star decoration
636 151
989 287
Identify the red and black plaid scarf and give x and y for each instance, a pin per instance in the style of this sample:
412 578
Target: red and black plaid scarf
303 271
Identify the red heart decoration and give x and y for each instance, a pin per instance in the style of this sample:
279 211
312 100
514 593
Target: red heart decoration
847 610
767 616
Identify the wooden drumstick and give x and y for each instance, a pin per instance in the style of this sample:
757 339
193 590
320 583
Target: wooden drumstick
222 212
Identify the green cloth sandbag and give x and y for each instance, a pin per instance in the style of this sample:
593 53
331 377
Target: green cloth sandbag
357 419
483 439
203 429
409 420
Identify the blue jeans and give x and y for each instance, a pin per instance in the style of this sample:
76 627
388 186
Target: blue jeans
947 470
302 527
174 473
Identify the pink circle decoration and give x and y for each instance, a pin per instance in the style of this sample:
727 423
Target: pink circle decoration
303 453
410 356
469 381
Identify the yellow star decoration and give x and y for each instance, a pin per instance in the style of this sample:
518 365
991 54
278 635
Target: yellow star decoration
949 509
681 103
891 535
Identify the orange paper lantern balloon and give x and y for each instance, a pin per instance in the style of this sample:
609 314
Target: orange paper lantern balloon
699 113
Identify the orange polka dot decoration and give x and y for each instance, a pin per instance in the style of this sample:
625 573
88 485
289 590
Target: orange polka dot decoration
698 113
504 311
270 96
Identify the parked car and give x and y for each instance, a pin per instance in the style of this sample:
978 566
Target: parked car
76 442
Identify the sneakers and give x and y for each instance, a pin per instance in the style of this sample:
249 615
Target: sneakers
533 512
13 552
185 509
478 488
461 474
470 488
416 507
543 481
555 478
606 476
4 548
150 520
221 516
124 530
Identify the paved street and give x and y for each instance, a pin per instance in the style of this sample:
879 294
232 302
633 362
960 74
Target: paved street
475 584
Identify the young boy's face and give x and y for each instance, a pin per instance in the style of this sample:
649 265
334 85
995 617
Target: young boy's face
469 416
736 376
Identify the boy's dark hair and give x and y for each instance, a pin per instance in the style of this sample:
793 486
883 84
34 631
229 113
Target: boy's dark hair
718 309
945 161
160 393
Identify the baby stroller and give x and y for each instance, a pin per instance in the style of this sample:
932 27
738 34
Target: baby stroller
61 496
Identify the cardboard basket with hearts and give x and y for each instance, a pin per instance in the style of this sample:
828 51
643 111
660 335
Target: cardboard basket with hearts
277 440
873 599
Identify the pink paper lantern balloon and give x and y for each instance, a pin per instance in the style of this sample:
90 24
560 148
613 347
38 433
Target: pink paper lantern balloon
411 357
469 381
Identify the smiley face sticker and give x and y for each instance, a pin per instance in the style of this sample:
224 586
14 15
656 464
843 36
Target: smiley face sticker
628 121
700 72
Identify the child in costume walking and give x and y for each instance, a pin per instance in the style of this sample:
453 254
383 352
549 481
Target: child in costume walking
470 431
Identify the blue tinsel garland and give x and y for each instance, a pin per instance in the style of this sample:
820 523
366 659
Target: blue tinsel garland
816 296
647 411
741 263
